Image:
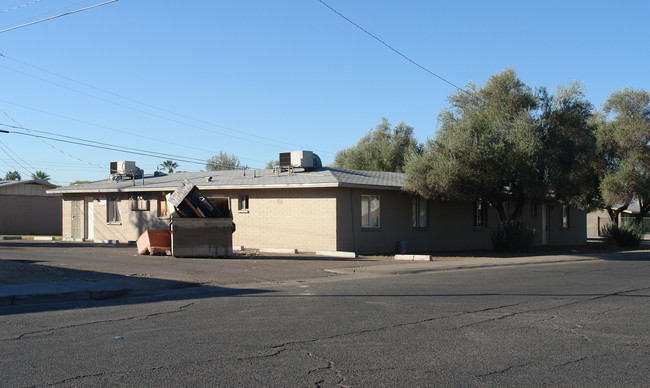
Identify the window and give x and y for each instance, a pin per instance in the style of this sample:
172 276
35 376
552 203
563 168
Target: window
480 214
370 211
243 203
113 211
163 206
565 216
419 212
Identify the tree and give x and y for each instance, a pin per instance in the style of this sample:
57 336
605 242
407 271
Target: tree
272 163
625 142
223 161
570 157
504 144
381 149
79 182
42 175
170 165
13 176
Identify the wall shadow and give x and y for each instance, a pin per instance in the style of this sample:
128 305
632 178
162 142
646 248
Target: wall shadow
136 289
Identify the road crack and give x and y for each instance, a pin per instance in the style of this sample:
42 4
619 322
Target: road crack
330 367
49 331
502 371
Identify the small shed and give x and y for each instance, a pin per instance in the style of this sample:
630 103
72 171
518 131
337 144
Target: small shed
26 208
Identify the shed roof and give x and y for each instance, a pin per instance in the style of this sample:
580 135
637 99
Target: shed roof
4 184
245 179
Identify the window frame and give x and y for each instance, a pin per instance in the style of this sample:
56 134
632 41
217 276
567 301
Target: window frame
480 214
368 223
416 213
243 203
113 215
565 217
163 207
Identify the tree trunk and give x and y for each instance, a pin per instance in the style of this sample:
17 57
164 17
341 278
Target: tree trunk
614 213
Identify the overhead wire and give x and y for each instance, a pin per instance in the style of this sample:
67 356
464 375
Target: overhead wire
44 13
58 16
58 149
19 6
5 149
254 138
101 145
117 130
29 166
375 37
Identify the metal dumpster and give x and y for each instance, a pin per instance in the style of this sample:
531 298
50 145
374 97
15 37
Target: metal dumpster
201 237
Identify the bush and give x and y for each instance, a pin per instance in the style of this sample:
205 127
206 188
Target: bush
513 236
626 236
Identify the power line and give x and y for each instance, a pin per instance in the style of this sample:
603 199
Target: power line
130 133
44 13
58 16
394 49
101 145
172 156
254 138
20 6
60 150
4 148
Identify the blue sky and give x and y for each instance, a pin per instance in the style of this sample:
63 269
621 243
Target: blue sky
255 78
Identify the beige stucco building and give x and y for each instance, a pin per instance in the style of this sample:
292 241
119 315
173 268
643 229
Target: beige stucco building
322 210
26 208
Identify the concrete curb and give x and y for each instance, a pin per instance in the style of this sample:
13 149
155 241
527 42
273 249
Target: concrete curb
58 292
43 238
288 251
343 254
414 257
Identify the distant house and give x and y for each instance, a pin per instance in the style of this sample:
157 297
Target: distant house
598 219
26 208
324 209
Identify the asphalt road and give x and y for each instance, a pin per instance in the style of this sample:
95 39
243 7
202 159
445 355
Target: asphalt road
574 323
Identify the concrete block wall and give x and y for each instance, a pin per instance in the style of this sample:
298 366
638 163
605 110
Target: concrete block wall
302 219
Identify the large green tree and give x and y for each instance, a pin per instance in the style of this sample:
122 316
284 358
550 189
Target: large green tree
625 142
381 149
504 143
223 161
571 161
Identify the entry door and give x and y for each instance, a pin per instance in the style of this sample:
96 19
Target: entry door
77 219
546 224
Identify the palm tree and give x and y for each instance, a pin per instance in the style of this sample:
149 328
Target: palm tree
13 176
170 165
42 175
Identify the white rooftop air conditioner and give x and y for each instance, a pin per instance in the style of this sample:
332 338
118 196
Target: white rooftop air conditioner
297 159
123 168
